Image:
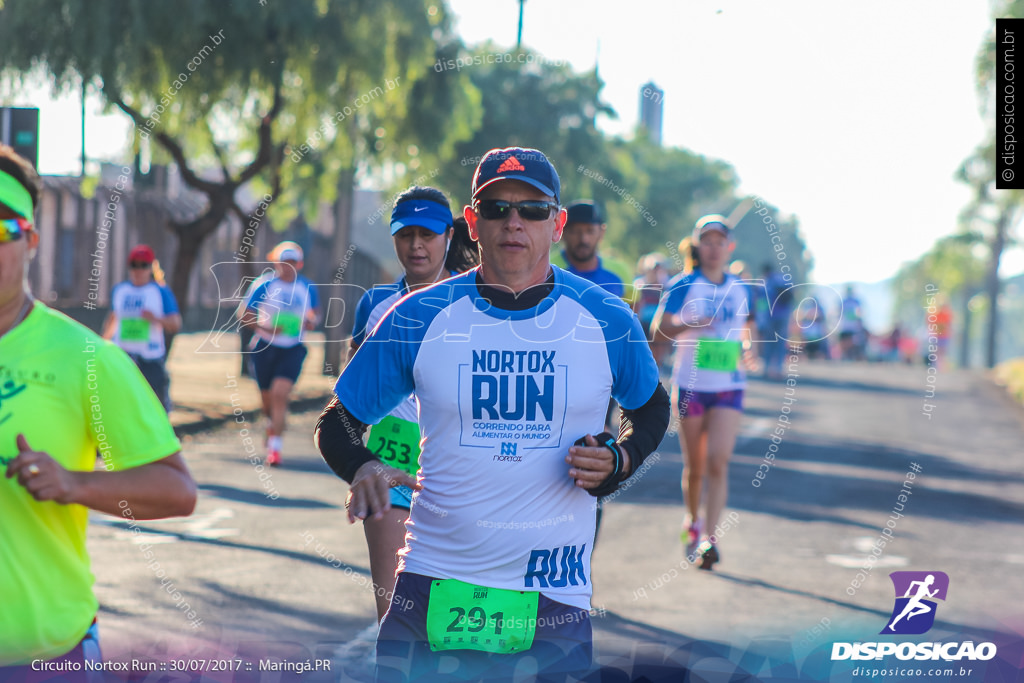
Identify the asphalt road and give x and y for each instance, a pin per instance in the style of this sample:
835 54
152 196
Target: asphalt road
288 577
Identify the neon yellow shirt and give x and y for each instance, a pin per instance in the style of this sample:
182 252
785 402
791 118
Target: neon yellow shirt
71 394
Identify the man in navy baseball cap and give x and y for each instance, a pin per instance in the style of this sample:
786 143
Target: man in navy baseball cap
517 163
580 255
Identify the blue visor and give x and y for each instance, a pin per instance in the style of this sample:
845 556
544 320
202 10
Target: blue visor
421 212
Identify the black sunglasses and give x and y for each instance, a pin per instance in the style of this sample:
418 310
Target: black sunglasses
139 264
529 210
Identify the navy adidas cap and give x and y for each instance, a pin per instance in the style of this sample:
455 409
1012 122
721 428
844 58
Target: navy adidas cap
584 211
421 212
517 163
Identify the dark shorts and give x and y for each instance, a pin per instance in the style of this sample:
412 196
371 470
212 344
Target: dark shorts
562 645
696 403
155 372
87 649
269 361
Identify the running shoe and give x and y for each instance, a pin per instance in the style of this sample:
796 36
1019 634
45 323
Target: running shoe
691 537
708 554
274 458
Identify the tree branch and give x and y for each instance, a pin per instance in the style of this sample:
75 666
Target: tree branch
265 154
219 153
173 148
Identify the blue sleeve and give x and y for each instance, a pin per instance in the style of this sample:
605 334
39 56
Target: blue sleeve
380 375
314 297
674 297
362 316
257 296
615 288
169 302
634 372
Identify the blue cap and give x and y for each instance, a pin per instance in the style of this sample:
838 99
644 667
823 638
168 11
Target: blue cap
421 212
517 163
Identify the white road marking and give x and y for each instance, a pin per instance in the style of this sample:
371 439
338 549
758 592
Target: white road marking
863 546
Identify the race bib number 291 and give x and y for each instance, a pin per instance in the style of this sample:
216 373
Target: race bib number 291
463 616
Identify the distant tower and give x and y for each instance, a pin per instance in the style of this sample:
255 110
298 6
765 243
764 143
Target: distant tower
651 99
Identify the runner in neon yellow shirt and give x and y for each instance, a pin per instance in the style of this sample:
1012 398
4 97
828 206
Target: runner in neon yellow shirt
65 395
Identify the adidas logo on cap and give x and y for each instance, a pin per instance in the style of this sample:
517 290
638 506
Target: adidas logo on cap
517 163
510 164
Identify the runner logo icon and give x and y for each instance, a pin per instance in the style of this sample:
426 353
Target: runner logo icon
914 608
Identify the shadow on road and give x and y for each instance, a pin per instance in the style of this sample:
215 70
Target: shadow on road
645 652
259 497
821 495
307 556
262 615
877 491
841 385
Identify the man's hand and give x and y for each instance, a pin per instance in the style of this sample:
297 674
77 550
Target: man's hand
152 317
42 476
590 465
369 493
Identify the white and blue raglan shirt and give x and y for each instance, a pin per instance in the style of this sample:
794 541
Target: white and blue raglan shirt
134 334
728 305
371 308
285 304
503 395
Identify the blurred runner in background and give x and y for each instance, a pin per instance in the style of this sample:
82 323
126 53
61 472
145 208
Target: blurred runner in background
279 311
142 312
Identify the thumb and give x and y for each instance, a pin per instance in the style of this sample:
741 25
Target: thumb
22 442
401 478
590 440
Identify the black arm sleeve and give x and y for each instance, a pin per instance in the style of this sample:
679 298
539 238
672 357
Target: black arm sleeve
640 432
339 436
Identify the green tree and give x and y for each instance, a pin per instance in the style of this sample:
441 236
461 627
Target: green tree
952 270
654 194
528 102
1001 210
229 86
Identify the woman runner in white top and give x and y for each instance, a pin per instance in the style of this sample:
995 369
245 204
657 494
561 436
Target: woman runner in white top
707 314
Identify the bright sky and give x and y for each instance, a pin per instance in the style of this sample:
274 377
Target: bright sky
852 115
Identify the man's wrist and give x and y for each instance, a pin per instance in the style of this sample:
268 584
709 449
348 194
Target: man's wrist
620 459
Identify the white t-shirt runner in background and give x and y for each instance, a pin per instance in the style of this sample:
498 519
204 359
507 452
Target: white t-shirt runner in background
283 304
503 395
133 333
728 305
